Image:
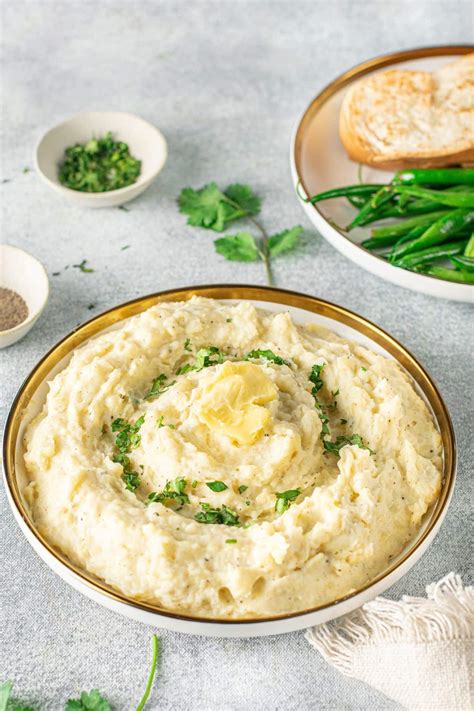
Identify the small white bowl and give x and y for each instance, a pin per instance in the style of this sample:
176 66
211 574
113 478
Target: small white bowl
22 273
146 143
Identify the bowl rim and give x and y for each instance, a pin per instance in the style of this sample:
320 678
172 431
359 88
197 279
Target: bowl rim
282 297
355 73
140 181
37 312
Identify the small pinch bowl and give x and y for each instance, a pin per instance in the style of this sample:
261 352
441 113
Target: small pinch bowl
304 309
21 272
146 143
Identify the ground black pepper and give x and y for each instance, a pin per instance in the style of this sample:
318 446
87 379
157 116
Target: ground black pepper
13 309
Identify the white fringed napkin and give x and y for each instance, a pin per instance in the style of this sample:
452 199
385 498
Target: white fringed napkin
418 651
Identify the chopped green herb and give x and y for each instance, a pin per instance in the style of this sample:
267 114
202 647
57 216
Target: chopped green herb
205 357
26 170
364 370
187 345
216 486
194 484
316 380
128 438
125 246
158 387
222 515
333 404
242 488
343 421
284 241
161 423
82 267
228 320
173 491
100 165
342 441
284 498
123 208
231 540
266 355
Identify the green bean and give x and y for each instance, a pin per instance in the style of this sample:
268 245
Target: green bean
465 264
365 189
435 176
401 228
469 251
444 197
357 201
449 225
449 274
432 253
369 211
379 242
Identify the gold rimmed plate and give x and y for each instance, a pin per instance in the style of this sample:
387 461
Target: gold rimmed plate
304 309
319 162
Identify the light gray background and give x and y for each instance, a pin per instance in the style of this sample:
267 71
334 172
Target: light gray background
225 82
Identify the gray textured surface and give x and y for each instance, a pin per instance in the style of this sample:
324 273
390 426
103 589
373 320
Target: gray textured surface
225 82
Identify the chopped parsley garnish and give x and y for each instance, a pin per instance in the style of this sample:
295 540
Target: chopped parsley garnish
205 357
173 491
128 438
284 498
187 345
316 380
342 440
100 165
161 423
266 355
231 540
82 267
343 421
222 515
216 485
194 484
158 386
333 404
242 488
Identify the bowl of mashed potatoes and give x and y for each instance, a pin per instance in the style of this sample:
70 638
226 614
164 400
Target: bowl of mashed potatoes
229 461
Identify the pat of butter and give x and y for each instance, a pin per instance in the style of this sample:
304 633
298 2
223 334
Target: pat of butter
233 402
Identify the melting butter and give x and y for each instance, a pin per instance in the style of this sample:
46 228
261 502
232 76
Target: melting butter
233 402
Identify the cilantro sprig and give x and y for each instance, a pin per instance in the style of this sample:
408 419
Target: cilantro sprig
174 490
215 209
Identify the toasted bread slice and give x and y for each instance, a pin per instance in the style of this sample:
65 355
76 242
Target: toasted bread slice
402 118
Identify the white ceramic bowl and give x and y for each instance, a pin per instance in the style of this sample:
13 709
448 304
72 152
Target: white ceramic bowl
319 162
304 309
23 273
146 143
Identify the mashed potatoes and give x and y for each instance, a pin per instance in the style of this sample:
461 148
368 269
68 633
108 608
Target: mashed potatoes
222 461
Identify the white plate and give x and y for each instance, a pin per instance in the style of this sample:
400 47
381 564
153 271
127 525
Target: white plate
304 309
319 162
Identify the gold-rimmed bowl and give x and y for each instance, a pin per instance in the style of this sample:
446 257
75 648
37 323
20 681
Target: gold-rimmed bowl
319 162
304 309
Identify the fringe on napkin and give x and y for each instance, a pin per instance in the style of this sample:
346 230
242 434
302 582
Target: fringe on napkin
446 614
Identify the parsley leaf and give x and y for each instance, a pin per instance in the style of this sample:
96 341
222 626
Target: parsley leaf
216 486
267 355
92 701
158 387
244 197
317 381
82 267
342 441
161 423
128 438
173 491
242 488
238 248
7 702
222 515
231 540
284 498
187 345
284 241
205 357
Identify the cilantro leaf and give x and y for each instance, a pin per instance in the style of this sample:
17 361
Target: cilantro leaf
244 197
216 486
82 267
237 248
242 488
222 515
92 701
173 491
284 498
158 387
266 355
127 439
208 207
342 441
205 357
284 241
315 378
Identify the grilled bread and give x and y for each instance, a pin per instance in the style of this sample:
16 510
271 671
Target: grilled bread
401 118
